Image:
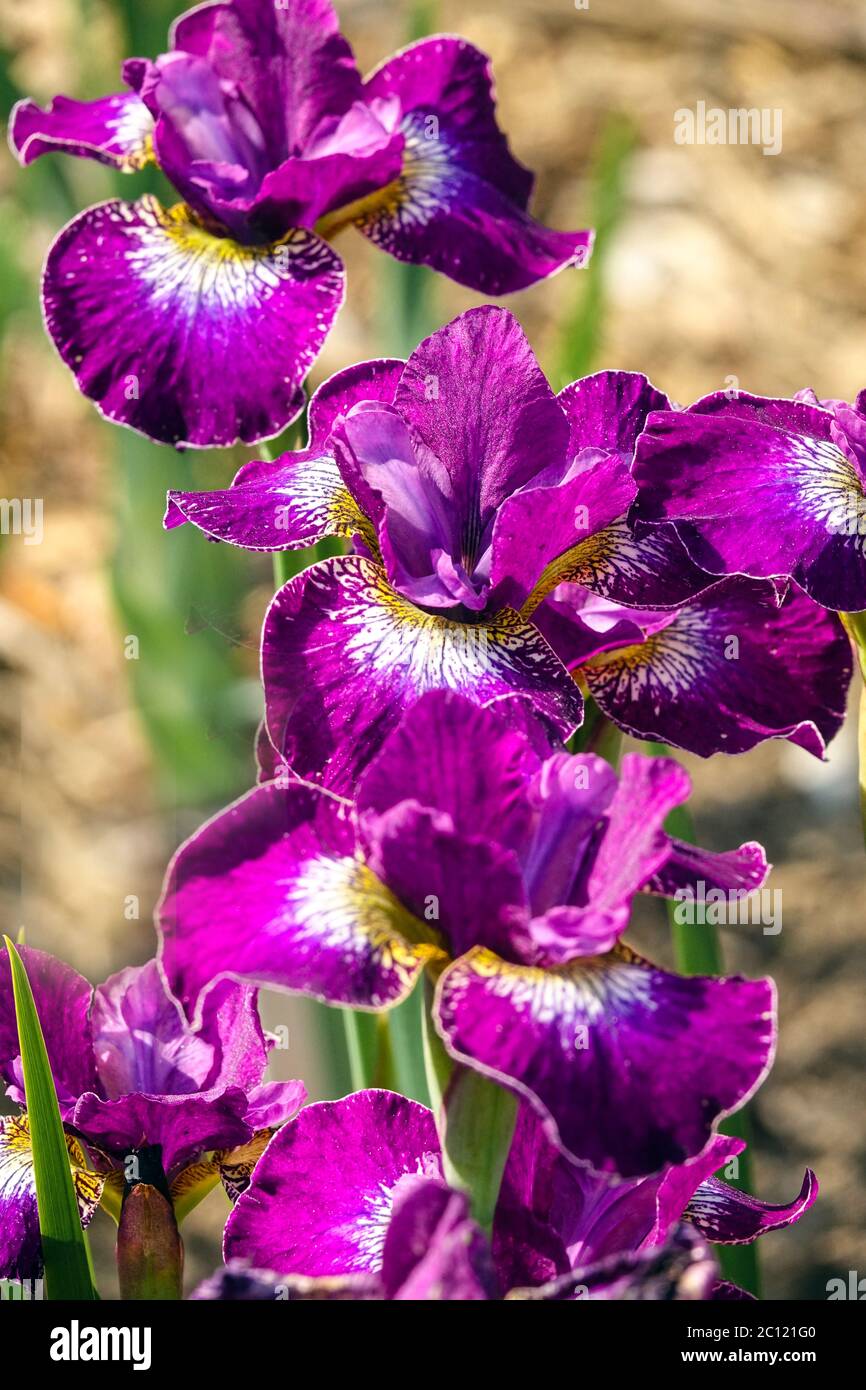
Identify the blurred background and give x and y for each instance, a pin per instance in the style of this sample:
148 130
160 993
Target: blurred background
713 262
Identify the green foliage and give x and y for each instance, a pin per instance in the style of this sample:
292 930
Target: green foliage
64 1244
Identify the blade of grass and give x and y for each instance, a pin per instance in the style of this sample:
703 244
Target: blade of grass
68 1271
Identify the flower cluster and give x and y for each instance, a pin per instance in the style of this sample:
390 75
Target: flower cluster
523 576
429 804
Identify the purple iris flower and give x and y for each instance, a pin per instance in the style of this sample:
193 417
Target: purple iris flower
470 491
764 488
554 1217
133 1078
739 663
510 873
197 324
349 1201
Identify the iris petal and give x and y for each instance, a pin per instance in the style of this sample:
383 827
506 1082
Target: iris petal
185 336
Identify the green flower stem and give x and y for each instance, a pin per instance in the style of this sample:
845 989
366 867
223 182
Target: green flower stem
438 1066
698 951
855 625
366 1046
475 1119
605 741
406 1032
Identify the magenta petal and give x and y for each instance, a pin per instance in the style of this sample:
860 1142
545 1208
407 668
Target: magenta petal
608 410
290 61
646 571
635 846
322 1194
630 1066
580 1217
729 1217
460 204
480 411
469 888
20 1241
185 336
271 891
365 381
299 497
62 999
230 1023
184 1126
597 842
731 669
759 487
343 656
741 870
434 1251
579 625
273 1103
425 759
574 531
543 532
288 505
302 190
114 130
141 1039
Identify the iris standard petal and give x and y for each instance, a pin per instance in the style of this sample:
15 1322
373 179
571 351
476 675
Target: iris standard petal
460 202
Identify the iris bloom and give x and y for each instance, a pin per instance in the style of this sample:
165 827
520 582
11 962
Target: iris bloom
555 1217
510 873
763 488
197 323
133 1078
349 1201
739 663
470 491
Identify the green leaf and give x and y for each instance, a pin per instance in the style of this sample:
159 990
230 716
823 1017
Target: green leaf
475 1119
64 1246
